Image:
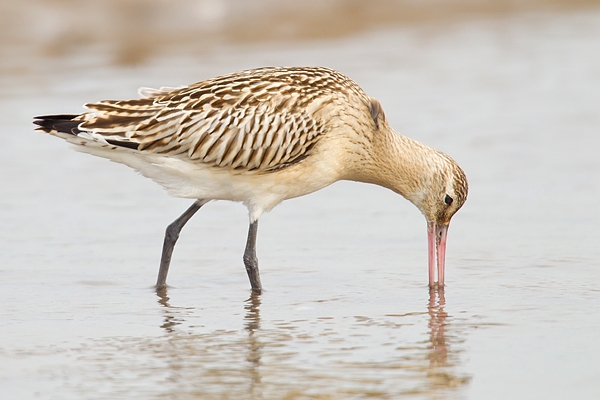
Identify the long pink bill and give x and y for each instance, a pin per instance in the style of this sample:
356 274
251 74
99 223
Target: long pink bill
436 244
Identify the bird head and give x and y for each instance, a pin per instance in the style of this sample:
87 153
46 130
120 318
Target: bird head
443 197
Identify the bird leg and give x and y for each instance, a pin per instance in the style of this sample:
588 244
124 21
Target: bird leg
171 236
250 260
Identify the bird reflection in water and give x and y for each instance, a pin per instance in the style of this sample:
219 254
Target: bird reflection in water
438 373
206 349
254 362
437 325
171 317
252 324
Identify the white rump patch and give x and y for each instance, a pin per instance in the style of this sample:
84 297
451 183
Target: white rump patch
151 92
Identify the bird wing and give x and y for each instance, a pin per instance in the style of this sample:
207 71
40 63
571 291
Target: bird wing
243 121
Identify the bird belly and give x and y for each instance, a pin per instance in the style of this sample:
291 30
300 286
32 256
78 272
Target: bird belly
259 191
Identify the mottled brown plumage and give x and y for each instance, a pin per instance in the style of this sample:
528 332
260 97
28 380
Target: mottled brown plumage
258 120
262 136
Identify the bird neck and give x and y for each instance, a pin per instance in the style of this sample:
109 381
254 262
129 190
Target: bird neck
401 164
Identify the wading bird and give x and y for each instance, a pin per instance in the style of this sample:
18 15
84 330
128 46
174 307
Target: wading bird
262 136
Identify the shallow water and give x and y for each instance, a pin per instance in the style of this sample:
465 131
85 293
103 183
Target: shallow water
346 312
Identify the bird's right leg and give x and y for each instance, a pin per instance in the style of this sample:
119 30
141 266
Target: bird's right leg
171 236
250 259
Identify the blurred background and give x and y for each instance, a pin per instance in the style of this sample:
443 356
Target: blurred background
509 88
131 32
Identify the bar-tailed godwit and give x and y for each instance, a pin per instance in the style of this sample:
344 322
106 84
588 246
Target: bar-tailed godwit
262 136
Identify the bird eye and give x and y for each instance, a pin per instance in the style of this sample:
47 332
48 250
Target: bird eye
448 200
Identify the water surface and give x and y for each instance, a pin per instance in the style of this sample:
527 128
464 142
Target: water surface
346 312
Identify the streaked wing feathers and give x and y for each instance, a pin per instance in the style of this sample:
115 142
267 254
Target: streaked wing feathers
256 120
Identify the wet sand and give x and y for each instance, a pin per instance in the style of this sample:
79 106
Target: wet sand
346 312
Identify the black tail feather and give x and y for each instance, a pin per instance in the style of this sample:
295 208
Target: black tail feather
60 123
66 123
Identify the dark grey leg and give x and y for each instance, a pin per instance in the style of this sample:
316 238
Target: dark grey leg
171 236
250 260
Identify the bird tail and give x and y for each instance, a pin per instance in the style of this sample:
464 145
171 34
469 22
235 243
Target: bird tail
66 126
57 124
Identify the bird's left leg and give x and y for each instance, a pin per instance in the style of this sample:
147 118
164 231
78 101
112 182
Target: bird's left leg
171 236
250 260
